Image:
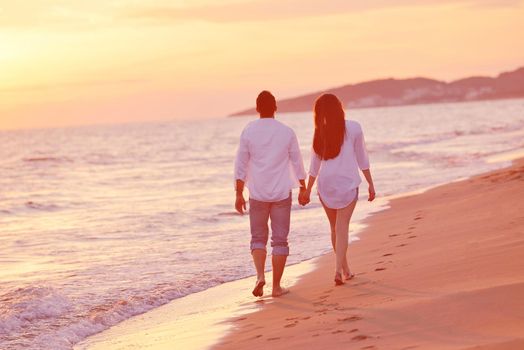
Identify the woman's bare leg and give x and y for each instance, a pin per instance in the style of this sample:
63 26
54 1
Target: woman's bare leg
332 217
342 233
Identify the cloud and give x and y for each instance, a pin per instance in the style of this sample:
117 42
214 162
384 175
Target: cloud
68 85
263 10
52 13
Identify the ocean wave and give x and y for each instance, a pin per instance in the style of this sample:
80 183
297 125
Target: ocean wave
423 139
60 324
21 307
458 157
102 159
17 208
41 206
443 159
48 159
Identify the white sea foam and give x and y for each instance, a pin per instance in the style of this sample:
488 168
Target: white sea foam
22 307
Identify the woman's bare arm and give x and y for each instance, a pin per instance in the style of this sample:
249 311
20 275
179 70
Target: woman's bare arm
310 183
371 186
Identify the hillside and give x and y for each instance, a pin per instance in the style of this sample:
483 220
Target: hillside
398 92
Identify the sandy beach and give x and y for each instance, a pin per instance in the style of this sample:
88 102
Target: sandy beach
439 270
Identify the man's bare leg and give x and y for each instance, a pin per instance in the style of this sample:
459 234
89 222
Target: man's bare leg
259 258
279 262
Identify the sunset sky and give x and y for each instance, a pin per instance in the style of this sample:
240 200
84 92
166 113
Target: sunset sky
105 61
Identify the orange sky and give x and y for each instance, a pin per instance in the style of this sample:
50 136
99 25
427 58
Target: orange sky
113 60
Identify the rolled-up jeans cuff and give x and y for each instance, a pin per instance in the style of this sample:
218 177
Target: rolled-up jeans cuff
280 250
257 245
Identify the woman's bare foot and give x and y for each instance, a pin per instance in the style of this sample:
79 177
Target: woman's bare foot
338 279
348 275
346 272
279 291
259 288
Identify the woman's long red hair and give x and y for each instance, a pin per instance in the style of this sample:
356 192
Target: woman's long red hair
330 126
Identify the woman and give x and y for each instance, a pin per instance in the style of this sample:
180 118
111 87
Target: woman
338 153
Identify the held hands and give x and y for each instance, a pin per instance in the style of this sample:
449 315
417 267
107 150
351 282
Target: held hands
304 197
240 203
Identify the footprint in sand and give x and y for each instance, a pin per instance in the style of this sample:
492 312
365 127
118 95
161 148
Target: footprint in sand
290 325
393 235
353 330
369 347
360 337
388 254
380 269
337 331
306 318
412 236
402 245
380 262
276 338
342 308
350 319
361 283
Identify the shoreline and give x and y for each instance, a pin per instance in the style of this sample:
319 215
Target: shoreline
438 270
194 309
159 329
195 321
245 113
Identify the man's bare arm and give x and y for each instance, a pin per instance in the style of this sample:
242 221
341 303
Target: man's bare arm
240 202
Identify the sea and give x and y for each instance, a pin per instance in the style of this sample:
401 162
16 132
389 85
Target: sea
101 223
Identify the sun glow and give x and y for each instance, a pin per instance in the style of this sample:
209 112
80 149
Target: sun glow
90 59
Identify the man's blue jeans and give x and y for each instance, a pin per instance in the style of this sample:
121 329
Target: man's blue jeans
280 215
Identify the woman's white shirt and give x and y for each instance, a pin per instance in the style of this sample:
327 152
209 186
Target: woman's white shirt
338 178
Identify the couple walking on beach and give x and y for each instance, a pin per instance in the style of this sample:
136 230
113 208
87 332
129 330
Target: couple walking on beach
269 162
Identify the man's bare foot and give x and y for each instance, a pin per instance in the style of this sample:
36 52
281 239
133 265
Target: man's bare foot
278 292
259 288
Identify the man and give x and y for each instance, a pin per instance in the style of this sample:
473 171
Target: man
270 163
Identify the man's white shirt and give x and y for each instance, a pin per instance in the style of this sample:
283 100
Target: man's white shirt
269 160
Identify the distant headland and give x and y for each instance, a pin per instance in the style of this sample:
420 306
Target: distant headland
399 92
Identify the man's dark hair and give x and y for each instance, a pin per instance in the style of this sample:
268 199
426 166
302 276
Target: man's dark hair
266 103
